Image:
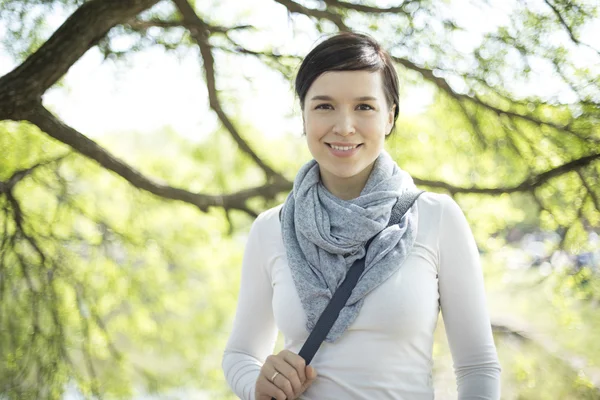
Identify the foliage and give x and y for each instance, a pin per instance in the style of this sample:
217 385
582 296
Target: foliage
111 289
127 279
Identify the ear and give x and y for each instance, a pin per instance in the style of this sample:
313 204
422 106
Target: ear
390 120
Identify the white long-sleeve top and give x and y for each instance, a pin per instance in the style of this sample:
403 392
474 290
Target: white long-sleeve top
387 351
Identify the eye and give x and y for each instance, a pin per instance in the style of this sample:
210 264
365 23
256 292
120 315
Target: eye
324 106
364 107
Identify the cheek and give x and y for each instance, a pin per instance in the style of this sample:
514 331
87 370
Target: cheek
314 127
311 133
373 127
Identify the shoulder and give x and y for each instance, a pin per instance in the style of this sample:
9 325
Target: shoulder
267 217
440 216
267 223
436 204
444 216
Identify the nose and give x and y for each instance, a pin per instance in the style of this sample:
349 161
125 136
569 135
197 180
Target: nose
344 124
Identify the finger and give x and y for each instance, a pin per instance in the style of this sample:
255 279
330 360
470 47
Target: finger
276 370
266 390
283 383
311 375
297 362
288 379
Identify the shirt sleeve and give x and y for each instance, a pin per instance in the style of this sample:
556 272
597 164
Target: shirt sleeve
254 331
464 308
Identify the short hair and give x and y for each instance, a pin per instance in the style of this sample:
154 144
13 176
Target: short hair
349 51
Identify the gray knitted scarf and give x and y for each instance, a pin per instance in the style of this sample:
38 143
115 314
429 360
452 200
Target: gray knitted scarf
324 235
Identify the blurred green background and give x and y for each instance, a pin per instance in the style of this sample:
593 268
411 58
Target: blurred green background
139 141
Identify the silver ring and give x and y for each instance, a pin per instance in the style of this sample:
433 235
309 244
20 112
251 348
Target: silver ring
274 376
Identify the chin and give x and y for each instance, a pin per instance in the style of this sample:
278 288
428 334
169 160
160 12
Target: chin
346 174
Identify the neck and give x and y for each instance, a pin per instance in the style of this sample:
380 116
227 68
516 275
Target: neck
346 188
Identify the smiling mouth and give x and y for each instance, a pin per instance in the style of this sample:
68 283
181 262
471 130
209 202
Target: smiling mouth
347 147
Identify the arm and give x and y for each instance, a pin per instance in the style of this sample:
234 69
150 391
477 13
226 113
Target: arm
254 332
463 303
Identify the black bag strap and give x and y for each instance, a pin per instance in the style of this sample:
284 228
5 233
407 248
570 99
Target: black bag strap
343 292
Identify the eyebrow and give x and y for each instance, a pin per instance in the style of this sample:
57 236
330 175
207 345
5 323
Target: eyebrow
329 98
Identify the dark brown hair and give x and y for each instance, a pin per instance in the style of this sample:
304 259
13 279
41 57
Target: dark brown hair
349 51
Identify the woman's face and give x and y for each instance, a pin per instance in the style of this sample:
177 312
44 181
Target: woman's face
346 119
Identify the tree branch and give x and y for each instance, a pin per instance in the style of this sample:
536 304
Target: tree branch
86 343
562 21
269 59
474 123
65 134
593 194
368 9
19 219
200 32
48 123
259 54
7 186
537 199
296 8
511 125
528 185
442 84
142 25
24 86
542 178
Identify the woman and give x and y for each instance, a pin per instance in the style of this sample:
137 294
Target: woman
380 347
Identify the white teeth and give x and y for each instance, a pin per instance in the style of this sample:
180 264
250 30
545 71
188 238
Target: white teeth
343 148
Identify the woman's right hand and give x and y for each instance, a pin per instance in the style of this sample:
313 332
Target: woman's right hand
284 376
